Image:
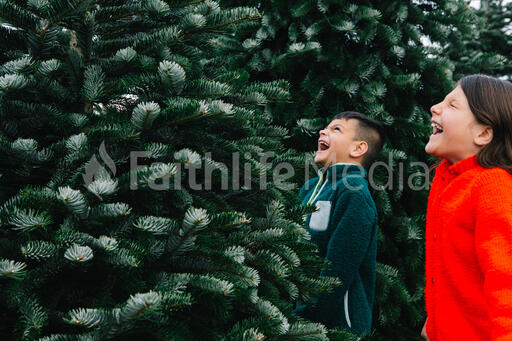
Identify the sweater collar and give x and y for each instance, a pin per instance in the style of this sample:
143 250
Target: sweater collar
459 167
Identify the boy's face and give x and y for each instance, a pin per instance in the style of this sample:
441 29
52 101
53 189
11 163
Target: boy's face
337 143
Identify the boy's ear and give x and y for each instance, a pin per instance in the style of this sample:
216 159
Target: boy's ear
484 136
359 148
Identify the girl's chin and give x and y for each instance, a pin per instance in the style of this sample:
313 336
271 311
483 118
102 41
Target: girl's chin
430 149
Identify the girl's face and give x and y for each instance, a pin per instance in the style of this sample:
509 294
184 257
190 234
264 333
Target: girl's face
455 129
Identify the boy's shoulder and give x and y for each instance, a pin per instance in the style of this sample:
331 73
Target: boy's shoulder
354 186
352 182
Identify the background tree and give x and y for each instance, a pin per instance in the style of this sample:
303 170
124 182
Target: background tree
487 48
92 248
389 60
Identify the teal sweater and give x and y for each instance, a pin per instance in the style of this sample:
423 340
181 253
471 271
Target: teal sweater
345 229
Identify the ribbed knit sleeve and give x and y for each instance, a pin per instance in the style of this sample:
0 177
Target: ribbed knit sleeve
492 202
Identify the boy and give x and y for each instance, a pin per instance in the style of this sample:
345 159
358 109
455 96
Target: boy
345 224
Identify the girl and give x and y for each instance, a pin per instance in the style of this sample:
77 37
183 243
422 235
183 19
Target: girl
468 291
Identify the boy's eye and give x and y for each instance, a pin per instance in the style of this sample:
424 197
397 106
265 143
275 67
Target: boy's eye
336 128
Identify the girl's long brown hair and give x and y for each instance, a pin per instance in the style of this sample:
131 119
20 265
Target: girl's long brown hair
490 100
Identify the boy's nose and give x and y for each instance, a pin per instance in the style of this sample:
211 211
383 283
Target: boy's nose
322 132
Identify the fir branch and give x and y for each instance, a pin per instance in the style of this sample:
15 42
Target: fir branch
17 16
58 10
12 269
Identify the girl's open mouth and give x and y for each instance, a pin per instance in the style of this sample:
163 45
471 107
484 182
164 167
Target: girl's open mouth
436 128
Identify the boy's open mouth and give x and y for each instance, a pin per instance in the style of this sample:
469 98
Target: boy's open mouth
323 146
436 128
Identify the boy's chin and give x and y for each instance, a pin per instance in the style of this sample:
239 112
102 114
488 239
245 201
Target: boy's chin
320 160
323 161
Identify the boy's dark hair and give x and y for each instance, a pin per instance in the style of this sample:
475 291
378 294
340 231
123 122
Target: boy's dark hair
370 131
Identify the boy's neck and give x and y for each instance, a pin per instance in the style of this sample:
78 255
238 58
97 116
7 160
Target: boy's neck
325 169
344 163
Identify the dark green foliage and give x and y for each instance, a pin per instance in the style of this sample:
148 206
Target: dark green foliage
389 60
92 248
486 49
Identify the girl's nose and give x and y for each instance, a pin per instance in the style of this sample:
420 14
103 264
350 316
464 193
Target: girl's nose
435 109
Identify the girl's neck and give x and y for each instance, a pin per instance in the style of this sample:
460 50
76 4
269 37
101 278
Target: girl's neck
457 159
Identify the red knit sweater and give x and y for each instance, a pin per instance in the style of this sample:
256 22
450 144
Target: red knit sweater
468 289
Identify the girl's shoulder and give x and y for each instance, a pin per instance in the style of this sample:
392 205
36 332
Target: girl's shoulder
491 176
493 183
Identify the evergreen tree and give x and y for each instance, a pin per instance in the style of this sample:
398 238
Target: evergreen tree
93 248
389 60
487 48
